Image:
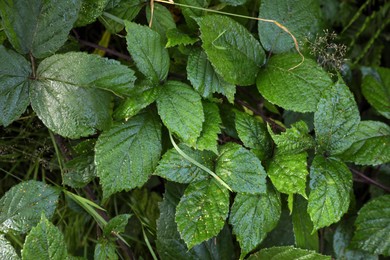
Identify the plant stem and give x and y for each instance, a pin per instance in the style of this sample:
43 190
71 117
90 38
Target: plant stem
370 181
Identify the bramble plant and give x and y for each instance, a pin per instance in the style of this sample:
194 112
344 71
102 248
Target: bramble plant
224 129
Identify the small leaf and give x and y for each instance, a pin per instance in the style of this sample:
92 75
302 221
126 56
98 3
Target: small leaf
235 54
38 27
14 73
373 227
336 118
117 224
211 128
90 10
162 19
21 206
241 169
176 37
45 241
202 211
204 79
6 249
330 184
253 216
127 154
148 52
299 89
105 250
287 253
79 171
181 110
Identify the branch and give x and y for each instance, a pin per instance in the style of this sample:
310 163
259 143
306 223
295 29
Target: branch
370 181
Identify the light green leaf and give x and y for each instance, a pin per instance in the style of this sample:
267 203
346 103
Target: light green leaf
204 79
181 110
330 184
116 225
105 250
376 89
6 249
253 216
45 241
148 52
127 154
370 145
253 134
21 206
208 139
174 167
202 211
294 140
241 169
176 37
90 10
287 253
39 27
72 92
337 117
162 20
14 73
299 89
302 18
235 54
288 172
373 227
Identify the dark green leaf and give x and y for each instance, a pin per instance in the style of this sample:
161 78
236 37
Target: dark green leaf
39 27
235 54
287 253
241 169
298 89
162 19
79 171
105 250
211 128
191 13
176 37
127 154
330 184
253 216
22 205
202 211
234 2
117 224
90 10
6 249
373 227
14 73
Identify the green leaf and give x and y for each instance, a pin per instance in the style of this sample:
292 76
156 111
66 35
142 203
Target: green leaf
330 184
65 81
21 206
181 110
202 211
287 253
105 250
298 89
162 20
14 73
90 10
127 154
117 224
148 52
337 117
373 227
175 168
370 145
253 216
234 2
208 139
79 171
176 37
294 140
376 89
288 172
235 54
253 134
6 249
302 18
39 27
204 79
241 169
191 13
45 241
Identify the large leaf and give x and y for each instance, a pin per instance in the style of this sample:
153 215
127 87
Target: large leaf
202 211
6 249
337 117
181 110
127 154
21 206
253 216
373 227
45 241
14 73
211 128
370 145
72 93
330 184
39 27
148 51
241 169
298 89
302 18
204 79
287 253
235 54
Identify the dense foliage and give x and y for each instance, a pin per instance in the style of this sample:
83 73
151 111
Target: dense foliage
207 129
